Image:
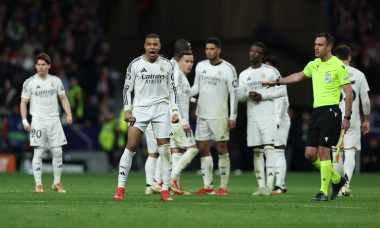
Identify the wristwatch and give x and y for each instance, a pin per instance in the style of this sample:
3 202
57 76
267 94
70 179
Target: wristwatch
278 82
347 117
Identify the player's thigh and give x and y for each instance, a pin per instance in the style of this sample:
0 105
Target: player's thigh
268 130
56 135
219 129
253 134
352 138
330 127
38 133
151 141
203 131
181 139
161 122
143 116
282 133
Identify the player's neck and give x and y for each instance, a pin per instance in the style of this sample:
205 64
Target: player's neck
327 57
256 65
183 72
42 77
215 61
146 57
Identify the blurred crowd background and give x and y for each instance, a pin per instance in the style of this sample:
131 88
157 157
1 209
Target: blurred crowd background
91 43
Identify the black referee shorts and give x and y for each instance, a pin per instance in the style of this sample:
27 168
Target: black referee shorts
324 126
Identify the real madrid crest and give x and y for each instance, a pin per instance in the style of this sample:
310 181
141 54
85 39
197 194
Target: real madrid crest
327 78
52 84
162 68
220 72
263 75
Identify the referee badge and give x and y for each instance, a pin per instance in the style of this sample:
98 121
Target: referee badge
327 78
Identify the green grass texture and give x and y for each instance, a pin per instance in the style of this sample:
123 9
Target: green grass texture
89 203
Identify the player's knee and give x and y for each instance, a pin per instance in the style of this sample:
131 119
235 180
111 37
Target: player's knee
221 147
38 152
56 152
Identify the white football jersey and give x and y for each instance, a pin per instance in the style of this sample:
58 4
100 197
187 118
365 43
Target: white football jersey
359 85
183 95
281 106
250 80
214 83
174 63
152 83
43 96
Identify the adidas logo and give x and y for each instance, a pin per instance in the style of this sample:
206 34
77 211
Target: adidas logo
171 134
204 72
326 138
223 173
122 173
259 178
270 174
143 70
60 166
38 87
222 137
249 79
38 169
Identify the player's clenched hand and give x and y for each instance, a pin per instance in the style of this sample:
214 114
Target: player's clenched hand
365 127
345 124
268 83
175 118
257 97
252 94
69 119
231 124
128 116
186 128
26 125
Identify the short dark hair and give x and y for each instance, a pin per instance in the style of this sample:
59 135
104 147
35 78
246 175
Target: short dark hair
153 36
274 60
181 45
214 40
184 53
261 45
343 52
43 56
329 38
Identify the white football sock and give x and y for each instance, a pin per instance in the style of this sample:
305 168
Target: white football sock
280 167
57 163
258 163
224 169
175 158
158 171
124 167
338 166
207 167
150 166
187 157
270 165
37 165
166 158
349 164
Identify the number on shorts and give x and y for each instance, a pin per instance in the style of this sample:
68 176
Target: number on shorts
36 133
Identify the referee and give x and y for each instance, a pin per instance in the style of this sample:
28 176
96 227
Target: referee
329 75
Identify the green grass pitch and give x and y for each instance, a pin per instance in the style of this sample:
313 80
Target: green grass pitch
88 203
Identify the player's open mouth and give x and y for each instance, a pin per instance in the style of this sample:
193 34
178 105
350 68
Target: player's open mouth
152 54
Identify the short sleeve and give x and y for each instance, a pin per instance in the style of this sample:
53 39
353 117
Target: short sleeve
308 70
342 74
60 87
26 90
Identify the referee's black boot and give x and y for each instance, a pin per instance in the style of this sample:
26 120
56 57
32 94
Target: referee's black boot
320 197
336 187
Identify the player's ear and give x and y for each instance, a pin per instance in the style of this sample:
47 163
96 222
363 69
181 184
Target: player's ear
219 50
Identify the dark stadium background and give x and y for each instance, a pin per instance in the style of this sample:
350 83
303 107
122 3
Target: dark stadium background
93 41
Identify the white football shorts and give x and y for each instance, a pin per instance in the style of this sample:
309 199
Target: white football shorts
158 115
181 139
282 133
261 132
212 129
47 131
352 138
151 141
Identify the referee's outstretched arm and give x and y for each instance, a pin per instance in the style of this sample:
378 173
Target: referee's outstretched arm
293 78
